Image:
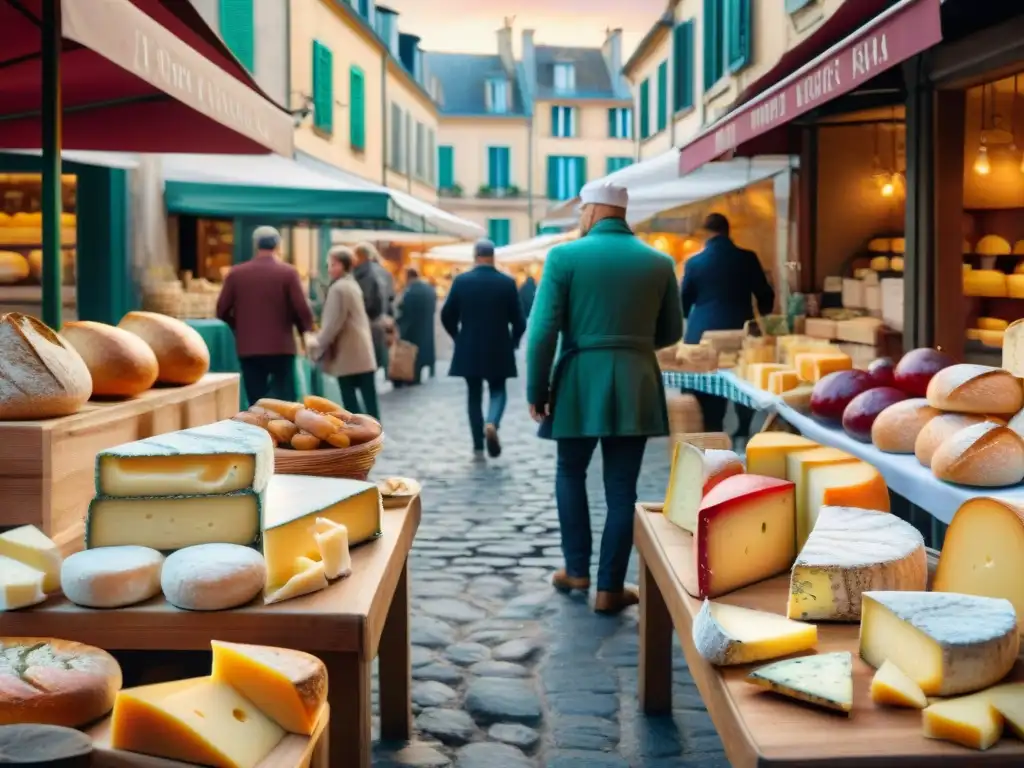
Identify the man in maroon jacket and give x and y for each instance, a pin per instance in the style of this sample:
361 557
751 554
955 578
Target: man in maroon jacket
262 300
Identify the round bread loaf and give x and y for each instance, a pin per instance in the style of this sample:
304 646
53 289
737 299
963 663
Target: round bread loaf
121 364
985 455
111 577
895 429
939 428
969 388
55 682
213 577
52 746
182 355
41 375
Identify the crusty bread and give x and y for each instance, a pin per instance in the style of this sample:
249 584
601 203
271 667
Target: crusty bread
895 429
939 428
41 376
969 388
55 682
986 455
181 353
121 364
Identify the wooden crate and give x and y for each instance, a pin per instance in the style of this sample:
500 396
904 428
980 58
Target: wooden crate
47 468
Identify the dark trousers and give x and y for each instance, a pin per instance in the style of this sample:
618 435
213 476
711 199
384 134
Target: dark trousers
269 376
713 408
622 457
360 385
495 408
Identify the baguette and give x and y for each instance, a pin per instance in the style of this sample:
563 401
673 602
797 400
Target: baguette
969 388
896 428
986 455
941 427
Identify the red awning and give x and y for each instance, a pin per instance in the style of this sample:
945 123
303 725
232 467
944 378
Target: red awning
136 76
892 37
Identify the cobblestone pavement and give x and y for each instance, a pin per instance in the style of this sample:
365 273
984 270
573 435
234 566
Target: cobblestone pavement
506 672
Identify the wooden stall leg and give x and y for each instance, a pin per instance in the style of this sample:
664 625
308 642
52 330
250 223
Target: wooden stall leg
395 668
655 671
348 692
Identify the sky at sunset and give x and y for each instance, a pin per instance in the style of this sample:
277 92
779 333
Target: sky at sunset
469 25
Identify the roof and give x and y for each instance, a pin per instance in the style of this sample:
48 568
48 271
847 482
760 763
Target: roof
593 80
463 78
665 22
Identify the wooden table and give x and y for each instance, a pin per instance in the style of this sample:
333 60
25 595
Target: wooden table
347 625
758 728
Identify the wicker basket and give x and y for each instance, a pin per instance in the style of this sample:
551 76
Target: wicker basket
684 414
354 462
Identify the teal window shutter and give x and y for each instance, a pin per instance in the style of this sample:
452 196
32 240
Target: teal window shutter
238 28
498 167
663 96
323 87
553 163
739 21
713 57
645 109
614 164
499 231
613 123
357 108
795 5
580 177
446 167
682 85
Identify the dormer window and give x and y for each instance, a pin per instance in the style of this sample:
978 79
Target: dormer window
497 95
565 77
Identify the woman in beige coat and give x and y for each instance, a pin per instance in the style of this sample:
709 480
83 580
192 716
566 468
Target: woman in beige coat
344 346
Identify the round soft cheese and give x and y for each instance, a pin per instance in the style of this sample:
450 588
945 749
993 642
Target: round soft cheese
49 745
213 577
111 577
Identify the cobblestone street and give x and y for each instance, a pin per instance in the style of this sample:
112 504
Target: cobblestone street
508 673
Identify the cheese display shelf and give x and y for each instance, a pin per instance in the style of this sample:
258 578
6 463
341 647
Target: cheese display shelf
760 729
723 383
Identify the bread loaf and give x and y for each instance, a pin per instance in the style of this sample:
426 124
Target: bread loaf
969 388
895 429
181 353
55 682
121 364
986 455
939 428
41 376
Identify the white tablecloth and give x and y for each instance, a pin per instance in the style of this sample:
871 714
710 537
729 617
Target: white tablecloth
762 400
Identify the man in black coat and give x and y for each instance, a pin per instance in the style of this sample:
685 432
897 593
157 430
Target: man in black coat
483 316
719 287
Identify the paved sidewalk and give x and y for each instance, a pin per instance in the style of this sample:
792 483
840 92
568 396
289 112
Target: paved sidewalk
507 672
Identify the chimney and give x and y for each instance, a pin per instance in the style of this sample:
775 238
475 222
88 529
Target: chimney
409 55
387 28
508 58
612 52
529 64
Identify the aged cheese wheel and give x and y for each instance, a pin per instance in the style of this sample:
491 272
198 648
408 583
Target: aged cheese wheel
44 745
111 577
213 577
55 682
41 375
181 353
121 364
13 267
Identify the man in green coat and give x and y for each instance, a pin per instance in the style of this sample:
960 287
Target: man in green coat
608 301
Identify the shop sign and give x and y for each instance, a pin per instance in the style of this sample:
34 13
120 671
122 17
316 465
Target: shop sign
892 38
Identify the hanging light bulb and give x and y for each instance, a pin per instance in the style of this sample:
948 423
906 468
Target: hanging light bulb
889 187
982 166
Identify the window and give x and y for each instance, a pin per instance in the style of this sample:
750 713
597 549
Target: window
566 177
620 123
727 35
663 96
497 95
364 8
565 77
645 109
407 136
498 168
238 28
323 88
357 108
431 157
617 164
714 28
499 231
396 155
446 166
563 122
421 151
682 69
737 42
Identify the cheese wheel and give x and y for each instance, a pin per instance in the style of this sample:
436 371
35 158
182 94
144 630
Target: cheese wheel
213 577
895 429
41 375
55 682
44 745
992 324
13 267
969 388
121 364
181 353
986 455
941 427
111 577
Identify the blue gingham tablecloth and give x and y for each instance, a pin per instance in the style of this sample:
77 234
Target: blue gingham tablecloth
723 383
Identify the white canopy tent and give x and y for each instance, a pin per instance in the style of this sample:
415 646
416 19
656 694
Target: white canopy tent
534 249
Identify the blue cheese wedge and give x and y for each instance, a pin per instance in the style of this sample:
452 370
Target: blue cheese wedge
224 457
825 680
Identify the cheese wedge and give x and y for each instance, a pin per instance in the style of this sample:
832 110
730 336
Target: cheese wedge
758 373
891 686
20 585
30 546
825 680
767 451
726 634
814 366
799 468
693 474
782 381
288 686
332 541
308 576
1008 700
857 484
970 721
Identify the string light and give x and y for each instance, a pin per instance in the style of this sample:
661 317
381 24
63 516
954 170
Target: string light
982 166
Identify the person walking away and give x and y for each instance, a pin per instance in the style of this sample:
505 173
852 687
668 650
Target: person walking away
527 293
416 320
483 317
344 345
612 300
263 302
379 292
716 292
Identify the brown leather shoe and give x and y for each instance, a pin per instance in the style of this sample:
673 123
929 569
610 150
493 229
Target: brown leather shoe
563 582
612 603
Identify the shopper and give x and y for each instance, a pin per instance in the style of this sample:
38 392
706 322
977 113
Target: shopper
612 302
379 294
416 317
527 293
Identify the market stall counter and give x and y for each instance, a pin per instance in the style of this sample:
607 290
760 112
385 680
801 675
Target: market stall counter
723 383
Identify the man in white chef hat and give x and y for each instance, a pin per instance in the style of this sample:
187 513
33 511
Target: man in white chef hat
605 303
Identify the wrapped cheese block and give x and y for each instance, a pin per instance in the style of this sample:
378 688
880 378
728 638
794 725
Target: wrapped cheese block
181 353
120 363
